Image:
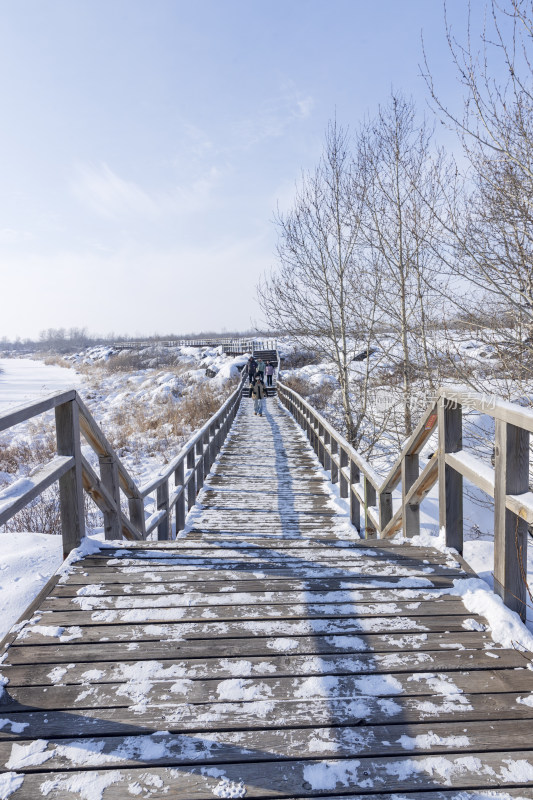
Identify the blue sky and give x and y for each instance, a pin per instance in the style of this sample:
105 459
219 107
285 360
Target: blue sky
145 144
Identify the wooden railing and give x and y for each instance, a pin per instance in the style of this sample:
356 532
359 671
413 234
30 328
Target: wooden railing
235 346
75 474
507 481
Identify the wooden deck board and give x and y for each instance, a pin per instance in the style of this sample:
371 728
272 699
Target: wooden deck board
170 665
287 744
267 653
287 779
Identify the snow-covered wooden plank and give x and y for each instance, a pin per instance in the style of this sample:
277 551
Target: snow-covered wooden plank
260 715
473 469
102 632
95 598
323 555
479 770
142 691
22 491
262 745
68 613
235 570
236 666
219 593
259 578
33 409
76 651
154 519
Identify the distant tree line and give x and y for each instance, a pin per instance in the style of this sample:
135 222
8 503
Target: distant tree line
63 341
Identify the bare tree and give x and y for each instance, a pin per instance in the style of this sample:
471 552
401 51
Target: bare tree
492 225
404 190
323 292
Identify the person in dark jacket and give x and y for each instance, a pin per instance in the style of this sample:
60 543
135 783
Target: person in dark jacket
258 394
251 369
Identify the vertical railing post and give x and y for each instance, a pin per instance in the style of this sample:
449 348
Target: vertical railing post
327 451
109 476
207 453
334 467
511 454
343 480
321 444
179 480
136 509
410 512
163 528
212 445
370 500
191 485
70 484
385 510
450 481
200 467
355 505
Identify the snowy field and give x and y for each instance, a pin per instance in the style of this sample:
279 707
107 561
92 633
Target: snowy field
23 380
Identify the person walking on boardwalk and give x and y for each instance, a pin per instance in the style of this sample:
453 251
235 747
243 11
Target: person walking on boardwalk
269 371
251 369
261 368
258 394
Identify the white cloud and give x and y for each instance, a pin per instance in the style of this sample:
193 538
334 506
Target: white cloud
275 115
107 194
305 106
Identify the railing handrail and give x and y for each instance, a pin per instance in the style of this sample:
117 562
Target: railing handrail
374 477
235 344
75 474
507 482
151 485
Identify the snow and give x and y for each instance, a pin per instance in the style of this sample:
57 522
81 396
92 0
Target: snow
438 684
15 727
237 689
331 686
427 741
23 380
283 645
328 775
477 594
473 625
526 701
505 626
27 562
227 788
9 783
88 785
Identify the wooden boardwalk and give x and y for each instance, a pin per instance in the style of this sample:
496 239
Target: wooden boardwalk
266 654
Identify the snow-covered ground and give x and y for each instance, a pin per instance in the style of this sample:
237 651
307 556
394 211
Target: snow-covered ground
23 380
27 562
